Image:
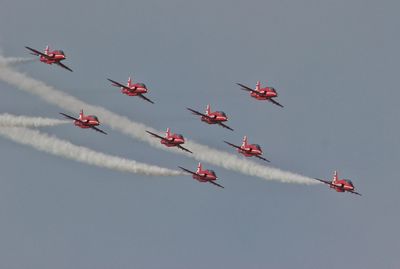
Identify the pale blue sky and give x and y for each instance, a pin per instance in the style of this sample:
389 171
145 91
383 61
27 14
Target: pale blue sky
335 66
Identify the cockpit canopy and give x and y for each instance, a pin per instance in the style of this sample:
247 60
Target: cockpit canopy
257 146
60 52
179 136
212 172
349 182
222 113
141 85
94 117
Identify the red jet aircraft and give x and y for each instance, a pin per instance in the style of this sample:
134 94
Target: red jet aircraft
203 175
267 93
340 185
216 117
135 89
171 140
89 121
249 150
50 57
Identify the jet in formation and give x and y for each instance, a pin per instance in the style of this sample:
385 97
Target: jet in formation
85 121
216 117
203 175
249 150
266 93
132 89
171 140
339 185
50 57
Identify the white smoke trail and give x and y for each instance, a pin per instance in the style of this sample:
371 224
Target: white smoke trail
59 147
15 60
9 120
137 130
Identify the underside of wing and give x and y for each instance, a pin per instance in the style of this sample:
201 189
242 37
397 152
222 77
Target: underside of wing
197 112
36 52
216 184
155 135
145 98
117 84
232 145
354 192
324 181
64 66
186 170
225 126
69 117
245 88
275 102
98 130
185 149
262 158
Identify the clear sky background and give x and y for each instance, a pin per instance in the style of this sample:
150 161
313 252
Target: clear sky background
335 65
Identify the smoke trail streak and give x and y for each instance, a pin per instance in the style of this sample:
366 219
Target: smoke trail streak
9 120
15 60
59 147
137 130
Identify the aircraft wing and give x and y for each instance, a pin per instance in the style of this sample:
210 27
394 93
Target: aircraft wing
245 88
97 129
117 84
232 145
204 115
197 112
190 172
262 158
216 184
185 149
275 102
69 117
225 126
93 127
64 66
324 181
37 53
156 135
355 192
145 98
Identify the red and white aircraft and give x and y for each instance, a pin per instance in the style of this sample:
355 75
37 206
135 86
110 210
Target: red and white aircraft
50 57
132 89
340 185
203 175
88 121
249 150
266 93
171 140
216 117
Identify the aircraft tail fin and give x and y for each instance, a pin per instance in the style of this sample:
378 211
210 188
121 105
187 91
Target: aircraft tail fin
168 132
244 143
208 109
81 114
199 168
335 176
258 85
46 50
129 81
